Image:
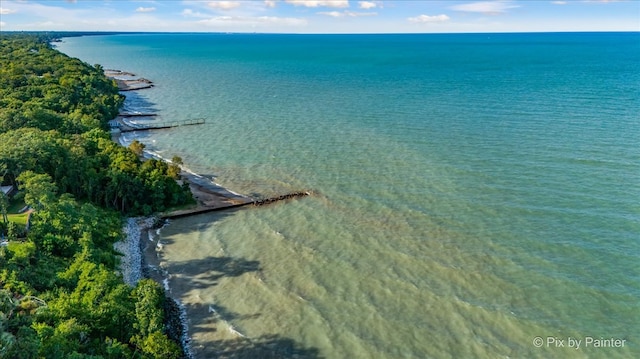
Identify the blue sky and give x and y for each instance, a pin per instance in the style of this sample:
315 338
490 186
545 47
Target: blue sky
321 16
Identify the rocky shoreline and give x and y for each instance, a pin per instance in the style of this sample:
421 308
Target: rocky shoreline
141 246
134 266
131 260
138 249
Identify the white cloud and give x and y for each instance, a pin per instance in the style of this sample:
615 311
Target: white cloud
191 13
332 13
5 11
3 24
253 21
42 16
426 18
367 5
559 2
486 7
358 14
145 9
270 3
346 13
318 3
224 5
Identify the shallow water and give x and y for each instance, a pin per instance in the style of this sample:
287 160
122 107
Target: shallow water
471 192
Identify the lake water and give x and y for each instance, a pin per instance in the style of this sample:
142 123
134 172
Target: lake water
471 192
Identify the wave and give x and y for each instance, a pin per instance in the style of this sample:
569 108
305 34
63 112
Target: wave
230 327
235 332
185 341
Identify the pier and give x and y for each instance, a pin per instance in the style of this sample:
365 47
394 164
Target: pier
207 209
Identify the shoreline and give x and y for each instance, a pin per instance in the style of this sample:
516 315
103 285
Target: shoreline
140 247
142 257
205 191
176 319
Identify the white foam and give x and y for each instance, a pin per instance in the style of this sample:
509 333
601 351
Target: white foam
234 331
184 339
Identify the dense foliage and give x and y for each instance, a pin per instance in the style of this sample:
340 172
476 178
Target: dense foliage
54 111
60 293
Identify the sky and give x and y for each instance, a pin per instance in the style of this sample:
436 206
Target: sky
321 16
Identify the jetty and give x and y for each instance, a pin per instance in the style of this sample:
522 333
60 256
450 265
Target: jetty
127 81
137 114
133 85
250 202
125 126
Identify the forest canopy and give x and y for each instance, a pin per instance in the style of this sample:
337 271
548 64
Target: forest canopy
60 293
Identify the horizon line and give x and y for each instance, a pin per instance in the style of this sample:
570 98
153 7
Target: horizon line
107 32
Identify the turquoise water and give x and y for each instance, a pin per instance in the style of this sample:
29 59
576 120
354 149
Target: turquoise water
471 192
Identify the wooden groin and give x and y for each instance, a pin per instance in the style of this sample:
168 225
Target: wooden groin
206 209
159 125
133 85
263 202
114 73
137 114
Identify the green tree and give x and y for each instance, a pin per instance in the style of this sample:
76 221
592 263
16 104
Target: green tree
174 168
4 205
149 322
54 145
158 345
137 147
149 300
38 188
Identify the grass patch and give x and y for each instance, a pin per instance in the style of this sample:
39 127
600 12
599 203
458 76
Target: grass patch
19 219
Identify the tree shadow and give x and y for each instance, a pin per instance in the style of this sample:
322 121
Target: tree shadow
264 347
206 272
228 315
206 318
138 102
197 223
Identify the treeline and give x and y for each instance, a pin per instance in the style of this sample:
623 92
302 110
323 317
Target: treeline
60 294
54 113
